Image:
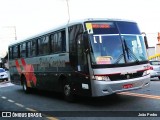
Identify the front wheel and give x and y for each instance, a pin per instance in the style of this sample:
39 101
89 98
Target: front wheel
67 91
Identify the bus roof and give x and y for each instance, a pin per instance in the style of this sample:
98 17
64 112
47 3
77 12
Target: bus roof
102 19
63 26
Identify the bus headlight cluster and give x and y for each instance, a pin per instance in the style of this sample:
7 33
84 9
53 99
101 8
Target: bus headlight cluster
146 72
102 78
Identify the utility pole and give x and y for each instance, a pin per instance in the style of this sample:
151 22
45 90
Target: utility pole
68 11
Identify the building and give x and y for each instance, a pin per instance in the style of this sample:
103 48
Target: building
151 51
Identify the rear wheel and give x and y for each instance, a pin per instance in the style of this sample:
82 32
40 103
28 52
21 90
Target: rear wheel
67 91
26 89
159 78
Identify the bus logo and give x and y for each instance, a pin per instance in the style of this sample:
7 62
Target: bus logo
128 76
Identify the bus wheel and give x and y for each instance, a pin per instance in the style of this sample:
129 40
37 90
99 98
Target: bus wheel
68 92
26 89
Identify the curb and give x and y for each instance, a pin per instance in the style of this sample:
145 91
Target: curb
5 82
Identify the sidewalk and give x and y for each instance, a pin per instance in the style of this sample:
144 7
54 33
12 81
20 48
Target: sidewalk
5 84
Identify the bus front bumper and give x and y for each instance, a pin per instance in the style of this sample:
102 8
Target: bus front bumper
103 88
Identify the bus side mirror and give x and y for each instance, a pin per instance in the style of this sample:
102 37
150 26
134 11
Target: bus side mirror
146 42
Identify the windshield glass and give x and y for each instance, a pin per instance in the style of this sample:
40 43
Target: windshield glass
111 43
2 70
106 49
135 50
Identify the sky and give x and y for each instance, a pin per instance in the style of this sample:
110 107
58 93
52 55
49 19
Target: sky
24 18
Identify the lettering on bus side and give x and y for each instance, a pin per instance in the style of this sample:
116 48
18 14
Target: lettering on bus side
51 62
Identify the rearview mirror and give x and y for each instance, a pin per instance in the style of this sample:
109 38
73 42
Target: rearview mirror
146 42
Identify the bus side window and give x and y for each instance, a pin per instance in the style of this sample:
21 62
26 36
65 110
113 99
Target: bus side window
53 38
58 41
11 53
23 50
46 45
61 42
28 49
63 36
16 51
82 60
40 48
34 47
43 45
75 36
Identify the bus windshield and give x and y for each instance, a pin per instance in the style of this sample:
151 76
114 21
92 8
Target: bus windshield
111 44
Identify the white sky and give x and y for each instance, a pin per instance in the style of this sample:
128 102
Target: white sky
34 16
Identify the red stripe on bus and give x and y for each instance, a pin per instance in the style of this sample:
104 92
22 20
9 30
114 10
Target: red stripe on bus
107 74
18 66
28 71
23 62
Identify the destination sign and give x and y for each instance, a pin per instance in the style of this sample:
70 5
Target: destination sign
100 26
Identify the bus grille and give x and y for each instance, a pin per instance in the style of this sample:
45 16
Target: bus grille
117 77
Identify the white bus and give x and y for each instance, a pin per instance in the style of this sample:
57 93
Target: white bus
91 57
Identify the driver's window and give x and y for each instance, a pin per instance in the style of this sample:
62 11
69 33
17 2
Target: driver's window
75 38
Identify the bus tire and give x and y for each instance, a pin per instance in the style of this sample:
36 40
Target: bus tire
67 91
26 89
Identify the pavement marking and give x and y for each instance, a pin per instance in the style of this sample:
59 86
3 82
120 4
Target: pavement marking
20 105
140 95
6 84
32 110
52 118
3 97
10 101
44 115
29 109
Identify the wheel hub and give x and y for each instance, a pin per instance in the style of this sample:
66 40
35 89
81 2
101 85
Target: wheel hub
67 90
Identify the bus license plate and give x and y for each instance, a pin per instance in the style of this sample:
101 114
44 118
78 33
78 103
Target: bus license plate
126 86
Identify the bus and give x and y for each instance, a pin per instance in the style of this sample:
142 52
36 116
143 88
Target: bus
90 57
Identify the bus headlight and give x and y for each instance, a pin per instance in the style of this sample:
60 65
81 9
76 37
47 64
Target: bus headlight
102 78
146 72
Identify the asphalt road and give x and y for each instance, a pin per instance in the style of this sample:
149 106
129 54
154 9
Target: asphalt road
123 106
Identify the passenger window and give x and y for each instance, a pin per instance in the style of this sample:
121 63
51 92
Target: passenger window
11 53
15 51
43 45
28 49
23 50
54 42
34 47
58 41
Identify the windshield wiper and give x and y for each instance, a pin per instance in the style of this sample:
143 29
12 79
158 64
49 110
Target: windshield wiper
130 52
119 58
